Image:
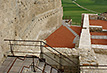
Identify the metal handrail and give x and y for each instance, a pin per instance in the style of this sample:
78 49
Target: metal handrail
52 59
26 45
22 40
59 53
35 52
46 45
43 53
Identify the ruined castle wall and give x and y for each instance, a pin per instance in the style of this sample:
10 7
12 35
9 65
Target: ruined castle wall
28 19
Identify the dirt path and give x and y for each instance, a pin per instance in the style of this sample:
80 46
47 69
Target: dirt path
85 8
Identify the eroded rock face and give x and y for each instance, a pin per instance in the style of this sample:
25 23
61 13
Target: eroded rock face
28 19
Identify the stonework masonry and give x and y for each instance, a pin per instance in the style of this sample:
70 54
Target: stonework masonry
92 57
28 19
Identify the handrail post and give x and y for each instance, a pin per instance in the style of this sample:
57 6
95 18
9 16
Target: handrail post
11 48
60 66
33 65
41 49
60 62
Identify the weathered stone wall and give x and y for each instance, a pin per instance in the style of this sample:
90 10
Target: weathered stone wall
103 16
28 19
101 68
55 58
7 22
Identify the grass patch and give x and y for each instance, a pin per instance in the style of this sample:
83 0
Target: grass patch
95 5
72 10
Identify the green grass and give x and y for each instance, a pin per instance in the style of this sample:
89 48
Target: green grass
70 9
96 5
